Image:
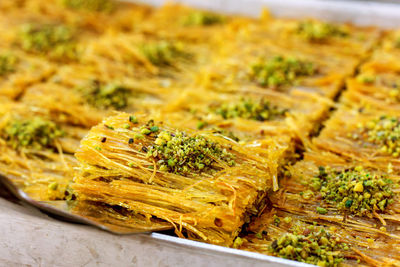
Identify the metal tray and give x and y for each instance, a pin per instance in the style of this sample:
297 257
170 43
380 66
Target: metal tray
360 13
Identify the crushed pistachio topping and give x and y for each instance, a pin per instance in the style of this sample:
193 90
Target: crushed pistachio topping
280 71
238 242
133 119
354 191
163 53
366 78
321 210
260 235
313 245
384 131
56 41
105 96
287 220
277 220
201 125
178 153
53 186
90 5
202 18
7 64
35 133
259 110
315 31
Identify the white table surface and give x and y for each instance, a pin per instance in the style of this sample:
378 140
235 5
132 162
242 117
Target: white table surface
31 238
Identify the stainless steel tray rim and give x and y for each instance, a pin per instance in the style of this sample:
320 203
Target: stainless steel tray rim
226 250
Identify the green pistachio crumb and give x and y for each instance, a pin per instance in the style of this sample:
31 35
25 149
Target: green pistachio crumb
154 129
133 119
259 235
138 136
287 220
201 125
53 186
308 194
366 78
321 210
277 220
145 131
176 152
131 164
238 242
348 203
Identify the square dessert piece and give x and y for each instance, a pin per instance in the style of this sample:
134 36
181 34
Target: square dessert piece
138 172
363 133
249 116
284 54
36 150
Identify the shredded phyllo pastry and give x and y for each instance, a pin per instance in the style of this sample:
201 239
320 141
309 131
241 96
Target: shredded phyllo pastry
273 135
